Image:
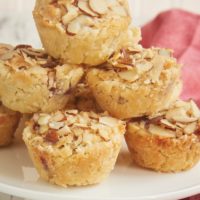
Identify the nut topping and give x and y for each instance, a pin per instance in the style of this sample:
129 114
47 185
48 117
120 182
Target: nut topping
52 137
99 7
177 121
75 131
84 7
130 75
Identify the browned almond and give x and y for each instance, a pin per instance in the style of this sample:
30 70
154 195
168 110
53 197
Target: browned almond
84 7
99 6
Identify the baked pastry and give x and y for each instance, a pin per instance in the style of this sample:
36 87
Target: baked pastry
136 82
168 142
82 99
31 81
72 148
85 31
9 121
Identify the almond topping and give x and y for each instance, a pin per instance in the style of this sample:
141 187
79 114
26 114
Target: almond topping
43 119
167 124
52 137
194 109
143 67
179 115
156 130
56 125
190 128
99 6
84 7
75 26
109 121
130 75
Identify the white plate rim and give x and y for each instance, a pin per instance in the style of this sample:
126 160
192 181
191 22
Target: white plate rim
27 193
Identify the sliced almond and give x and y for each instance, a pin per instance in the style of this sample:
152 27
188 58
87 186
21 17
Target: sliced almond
190 128
64 130
156 130
43 119
58 116
179 115
143 67
109 121
99 6
168 124
194 109
180 125
104 134
44 129
85 8
56 125
71 14
75 26
129 75
158 63
73 112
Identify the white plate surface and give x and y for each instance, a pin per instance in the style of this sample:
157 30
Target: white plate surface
127 182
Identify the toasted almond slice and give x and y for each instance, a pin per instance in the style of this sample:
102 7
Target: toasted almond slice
73 28
58 116
180 125
71 14
180 115
168 124
194 109
104 134
143 67
76 25
129 75
84 7
43 119
109 121
190 128
99 6
73 112
156 130
56 125
158 63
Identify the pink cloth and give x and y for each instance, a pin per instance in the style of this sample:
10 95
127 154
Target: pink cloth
179 30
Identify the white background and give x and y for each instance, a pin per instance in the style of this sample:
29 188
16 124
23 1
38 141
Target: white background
17 26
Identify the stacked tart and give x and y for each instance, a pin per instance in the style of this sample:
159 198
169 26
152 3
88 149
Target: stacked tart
91 85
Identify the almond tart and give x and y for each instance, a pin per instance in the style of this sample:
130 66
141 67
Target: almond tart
72 148
32 81
136 82
168 142
9 121
84 31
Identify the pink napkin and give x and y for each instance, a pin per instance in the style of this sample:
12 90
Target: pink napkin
179 30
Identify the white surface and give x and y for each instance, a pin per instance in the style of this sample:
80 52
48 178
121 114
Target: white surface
128 182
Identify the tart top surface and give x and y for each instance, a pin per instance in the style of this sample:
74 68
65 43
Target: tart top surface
75 16
72 130
183 118
135 64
